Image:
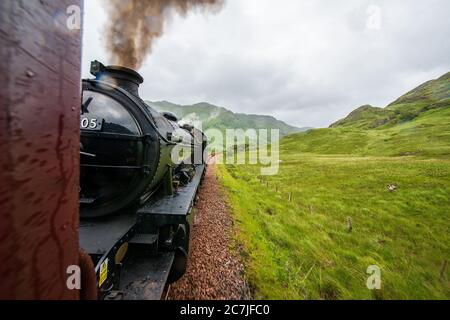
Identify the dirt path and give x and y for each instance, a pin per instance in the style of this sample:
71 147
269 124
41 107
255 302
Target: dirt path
214 271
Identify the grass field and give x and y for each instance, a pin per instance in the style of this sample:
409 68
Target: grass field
304 249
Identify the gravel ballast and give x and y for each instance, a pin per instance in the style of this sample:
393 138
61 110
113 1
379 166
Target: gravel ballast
214 272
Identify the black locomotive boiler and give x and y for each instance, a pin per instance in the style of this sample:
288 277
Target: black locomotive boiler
139 175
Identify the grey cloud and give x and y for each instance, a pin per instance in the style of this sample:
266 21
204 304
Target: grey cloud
308 63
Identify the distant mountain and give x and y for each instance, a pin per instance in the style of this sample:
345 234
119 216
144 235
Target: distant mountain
434 94
222 119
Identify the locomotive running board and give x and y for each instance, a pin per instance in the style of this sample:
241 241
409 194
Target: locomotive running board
141 276
145 278
179 204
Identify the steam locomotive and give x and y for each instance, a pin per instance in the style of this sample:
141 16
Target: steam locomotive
139 175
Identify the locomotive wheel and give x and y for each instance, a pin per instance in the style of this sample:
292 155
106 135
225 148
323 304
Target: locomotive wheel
181 238
181 247
179 265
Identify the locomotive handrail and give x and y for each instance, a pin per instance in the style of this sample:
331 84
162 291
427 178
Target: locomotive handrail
110 135
88 154
112 167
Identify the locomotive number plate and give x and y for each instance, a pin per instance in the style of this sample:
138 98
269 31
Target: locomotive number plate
91 124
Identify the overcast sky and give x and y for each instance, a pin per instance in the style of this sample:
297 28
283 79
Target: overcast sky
305 62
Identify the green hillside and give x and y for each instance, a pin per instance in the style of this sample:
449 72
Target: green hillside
337 177
416 124
428 135
222 119
432 95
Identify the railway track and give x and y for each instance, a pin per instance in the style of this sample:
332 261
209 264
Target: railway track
214 270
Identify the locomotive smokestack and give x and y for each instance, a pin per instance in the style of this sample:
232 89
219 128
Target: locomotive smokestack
123 77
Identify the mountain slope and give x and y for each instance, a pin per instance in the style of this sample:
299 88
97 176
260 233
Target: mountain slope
366 117
220 118
427 135
417 123
434 94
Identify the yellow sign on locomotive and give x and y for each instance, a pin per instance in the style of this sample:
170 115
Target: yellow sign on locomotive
103 273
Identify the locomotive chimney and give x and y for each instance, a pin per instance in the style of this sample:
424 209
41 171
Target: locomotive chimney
123 77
